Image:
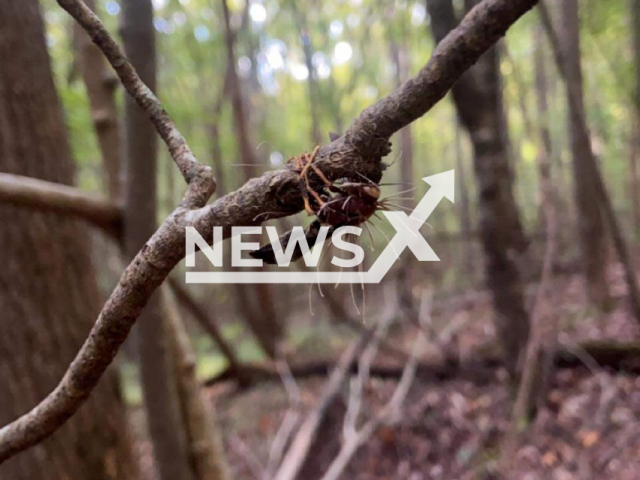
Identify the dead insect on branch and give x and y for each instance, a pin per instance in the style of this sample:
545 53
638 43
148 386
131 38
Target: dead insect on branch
334 204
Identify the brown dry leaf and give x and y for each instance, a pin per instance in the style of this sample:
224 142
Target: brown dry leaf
549 459
480 403
387 435
588 437
555 397
264 425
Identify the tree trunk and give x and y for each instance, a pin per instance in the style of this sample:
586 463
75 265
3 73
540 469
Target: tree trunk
48 293
596 181
255 301
463 202
478 100
101 82
543 328
542 103
208 323
312 80
407 304
590 220
203 435
158 377
634 168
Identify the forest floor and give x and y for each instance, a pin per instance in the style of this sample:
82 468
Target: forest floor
587 427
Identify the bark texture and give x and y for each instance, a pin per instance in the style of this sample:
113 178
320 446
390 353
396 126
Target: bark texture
158 377
593 240
463 202
478 100
48 294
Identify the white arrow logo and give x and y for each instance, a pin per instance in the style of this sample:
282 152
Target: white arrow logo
407 236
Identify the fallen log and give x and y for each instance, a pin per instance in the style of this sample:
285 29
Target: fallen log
623 357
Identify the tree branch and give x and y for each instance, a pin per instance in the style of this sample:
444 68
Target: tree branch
274 194
40 194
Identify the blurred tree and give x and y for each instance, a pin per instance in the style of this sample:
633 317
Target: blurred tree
159 381
596 185
634 168
478 99
400 59
48 294
545 151
203 435
312 79
254 301
590 217
101 83
462 200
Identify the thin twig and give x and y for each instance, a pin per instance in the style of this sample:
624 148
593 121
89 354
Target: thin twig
290 420
364 368
389 414
250 458
301 444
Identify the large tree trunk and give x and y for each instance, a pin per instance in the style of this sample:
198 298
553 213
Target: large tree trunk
158 376
478 100
590 218
255 301
48 293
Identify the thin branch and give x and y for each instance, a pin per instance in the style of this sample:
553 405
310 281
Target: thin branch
302 442
364 368
359 151
251 460
191 170
389 414
290 421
